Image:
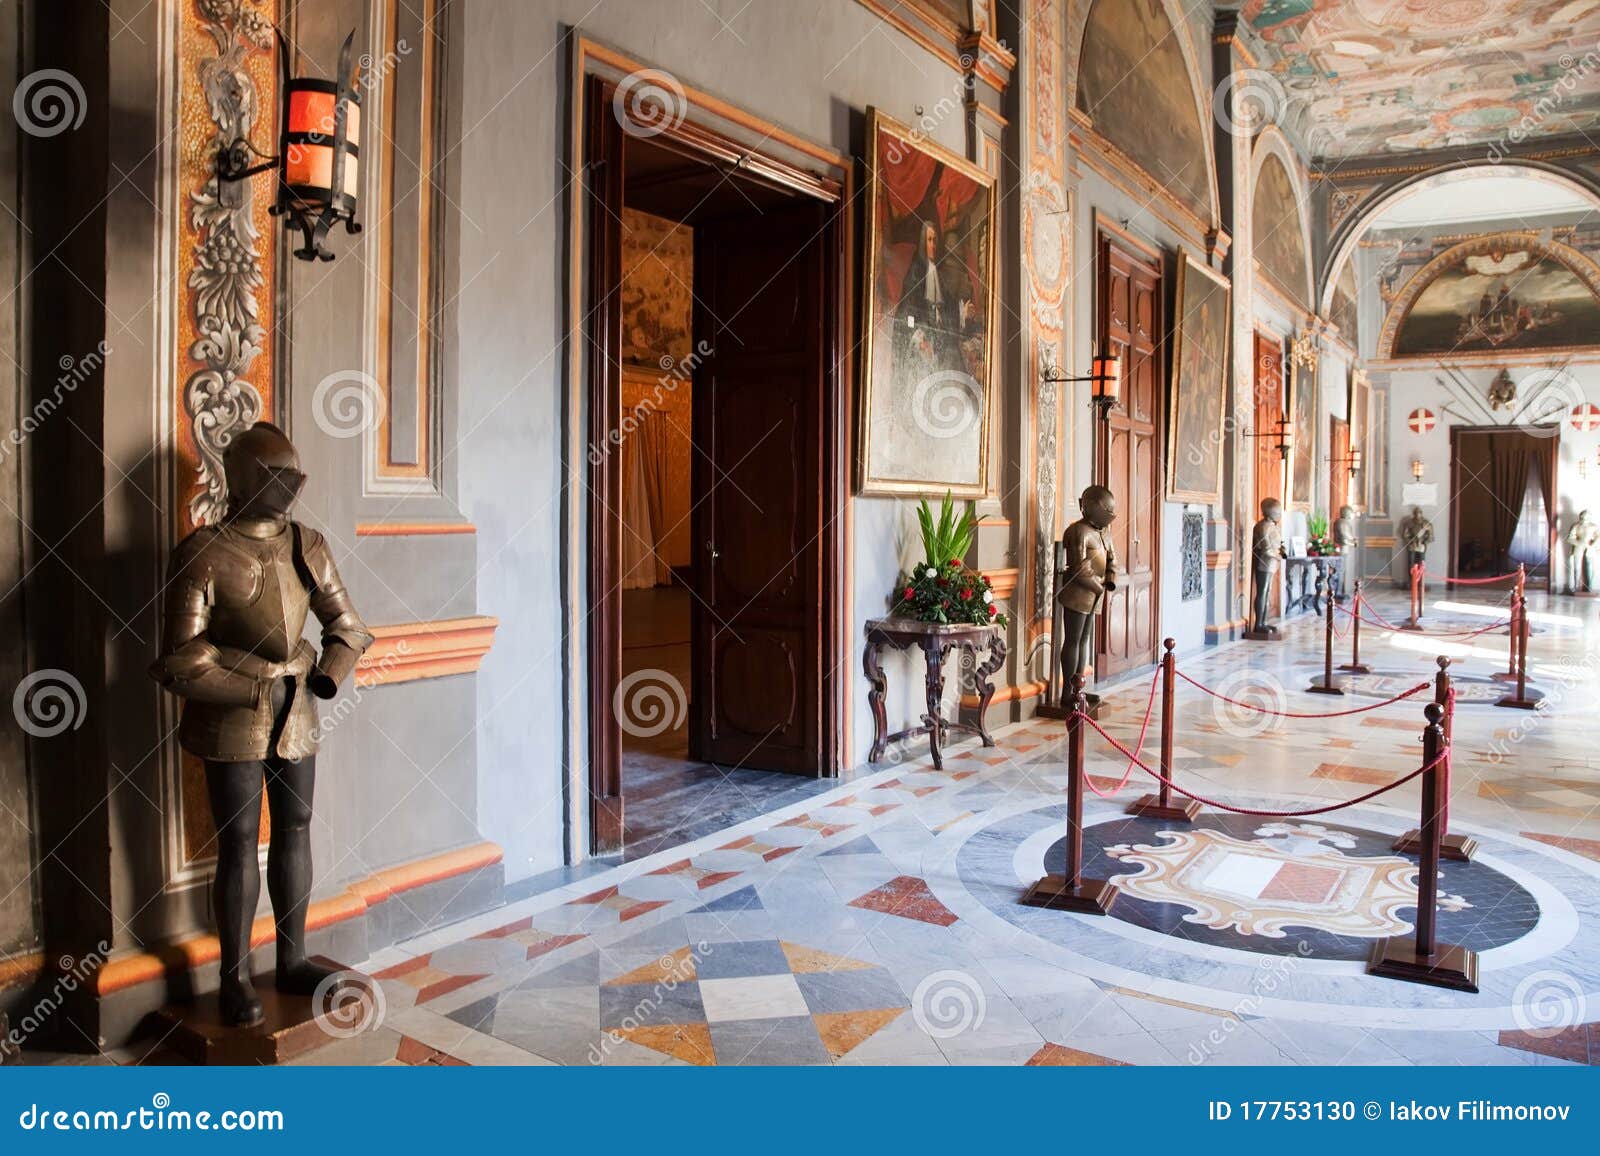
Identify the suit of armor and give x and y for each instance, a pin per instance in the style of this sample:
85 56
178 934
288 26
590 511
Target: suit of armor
237 598
1089 569
1266 548
1416 532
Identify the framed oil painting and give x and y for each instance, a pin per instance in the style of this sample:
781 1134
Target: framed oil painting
1360 403
928 318
1303 422
1199 381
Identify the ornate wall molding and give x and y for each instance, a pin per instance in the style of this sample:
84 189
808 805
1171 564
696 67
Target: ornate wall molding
409 651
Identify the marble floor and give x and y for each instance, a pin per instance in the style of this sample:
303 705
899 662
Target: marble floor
878 922
670 798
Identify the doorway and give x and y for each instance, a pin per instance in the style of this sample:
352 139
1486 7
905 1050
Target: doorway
713 294
1128 458
1502 508
1269 472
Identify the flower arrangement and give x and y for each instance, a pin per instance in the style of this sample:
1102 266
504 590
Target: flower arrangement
941 588
1319 542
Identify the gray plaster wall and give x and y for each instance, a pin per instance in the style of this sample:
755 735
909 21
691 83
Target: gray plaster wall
835 59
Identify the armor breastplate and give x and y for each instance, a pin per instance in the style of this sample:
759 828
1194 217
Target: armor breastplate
261 602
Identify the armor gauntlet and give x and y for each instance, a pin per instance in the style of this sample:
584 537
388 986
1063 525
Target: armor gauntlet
344 636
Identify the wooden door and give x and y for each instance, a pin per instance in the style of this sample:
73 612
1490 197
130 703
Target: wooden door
1129 458
1268 413
757 622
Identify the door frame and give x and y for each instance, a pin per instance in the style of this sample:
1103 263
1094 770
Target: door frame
1108 233
1456 432
720 135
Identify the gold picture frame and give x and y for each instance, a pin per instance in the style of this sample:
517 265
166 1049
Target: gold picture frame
928 318
1201 337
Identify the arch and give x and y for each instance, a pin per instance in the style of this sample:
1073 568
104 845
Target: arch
1345 238
1494 246
1204 200
1272 147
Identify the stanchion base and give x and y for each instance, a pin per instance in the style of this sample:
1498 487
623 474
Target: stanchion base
1531 702
1051 710
1320 687
1503 676
1414 627
1090 897
1354 668
1180 810
1460 848
1267 635
1448 966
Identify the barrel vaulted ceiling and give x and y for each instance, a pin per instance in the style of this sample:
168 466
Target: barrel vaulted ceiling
1383 76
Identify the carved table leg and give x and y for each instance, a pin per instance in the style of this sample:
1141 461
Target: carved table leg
934 719
985 683
872 664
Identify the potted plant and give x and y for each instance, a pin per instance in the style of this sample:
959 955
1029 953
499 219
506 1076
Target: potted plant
941 588
1319 543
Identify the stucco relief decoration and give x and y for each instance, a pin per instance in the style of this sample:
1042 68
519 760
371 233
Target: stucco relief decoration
225 83
1290 875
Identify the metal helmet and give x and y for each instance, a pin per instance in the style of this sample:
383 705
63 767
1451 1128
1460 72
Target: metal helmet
263 473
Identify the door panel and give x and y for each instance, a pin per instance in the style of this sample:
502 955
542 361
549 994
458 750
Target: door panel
758 419
1130 311
1268 412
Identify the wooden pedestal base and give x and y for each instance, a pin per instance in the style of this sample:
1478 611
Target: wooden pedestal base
1460 848
1354 668
1179 810
1449 966
1320 687
198 1032
1090 897
1503 676
1415 627
1533 699
1053 711
1270 634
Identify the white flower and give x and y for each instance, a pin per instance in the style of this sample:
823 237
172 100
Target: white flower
988 595
931 572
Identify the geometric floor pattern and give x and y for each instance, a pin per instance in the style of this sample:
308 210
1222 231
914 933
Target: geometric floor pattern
878 922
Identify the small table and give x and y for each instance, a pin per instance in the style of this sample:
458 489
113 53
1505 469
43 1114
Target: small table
936 641
1301 592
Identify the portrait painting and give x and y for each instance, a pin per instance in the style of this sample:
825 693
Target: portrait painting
1303 423
1134 87
928 321
1497 295
1199 377
1278 230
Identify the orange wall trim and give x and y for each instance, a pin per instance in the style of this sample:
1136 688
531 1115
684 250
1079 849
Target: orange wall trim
355 901
20 970
410 651
1219 559
1007 693
408 529
1003 582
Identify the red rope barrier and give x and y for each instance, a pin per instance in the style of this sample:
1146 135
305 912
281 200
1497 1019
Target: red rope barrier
1480 581
1296 714
1383 623
1149 709
1300 814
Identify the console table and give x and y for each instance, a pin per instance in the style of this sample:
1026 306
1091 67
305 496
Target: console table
1305 579
936 641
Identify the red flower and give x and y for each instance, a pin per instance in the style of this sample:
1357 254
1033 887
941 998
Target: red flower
955 561
910 592
966 595
992 610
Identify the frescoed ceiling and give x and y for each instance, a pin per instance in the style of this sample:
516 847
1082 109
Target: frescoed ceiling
1397 75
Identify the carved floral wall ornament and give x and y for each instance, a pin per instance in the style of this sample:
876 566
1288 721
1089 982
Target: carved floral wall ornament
229 296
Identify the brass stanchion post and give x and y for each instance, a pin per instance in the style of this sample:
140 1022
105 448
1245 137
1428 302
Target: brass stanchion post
1327 685
1160 805
1355 665
1459 848
1524 699
1070 891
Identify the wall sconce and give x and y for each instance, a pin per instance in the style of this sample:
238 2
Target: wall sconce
1284 433
1353 462
319 154
1105 373
1416 469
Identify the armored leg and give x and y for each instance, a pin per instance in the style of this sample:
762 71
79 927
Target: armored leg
235 790
1075 649
1262 591
290 786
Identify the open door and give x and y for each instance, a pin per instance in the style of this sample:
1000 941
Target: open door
757 616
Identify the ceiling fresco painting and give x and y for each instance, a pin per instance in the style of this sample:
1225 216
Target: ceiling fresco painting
1398 75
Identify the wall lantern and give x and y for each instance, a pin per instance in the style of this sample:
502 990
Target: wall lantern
1416 469
319 154
1106 375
